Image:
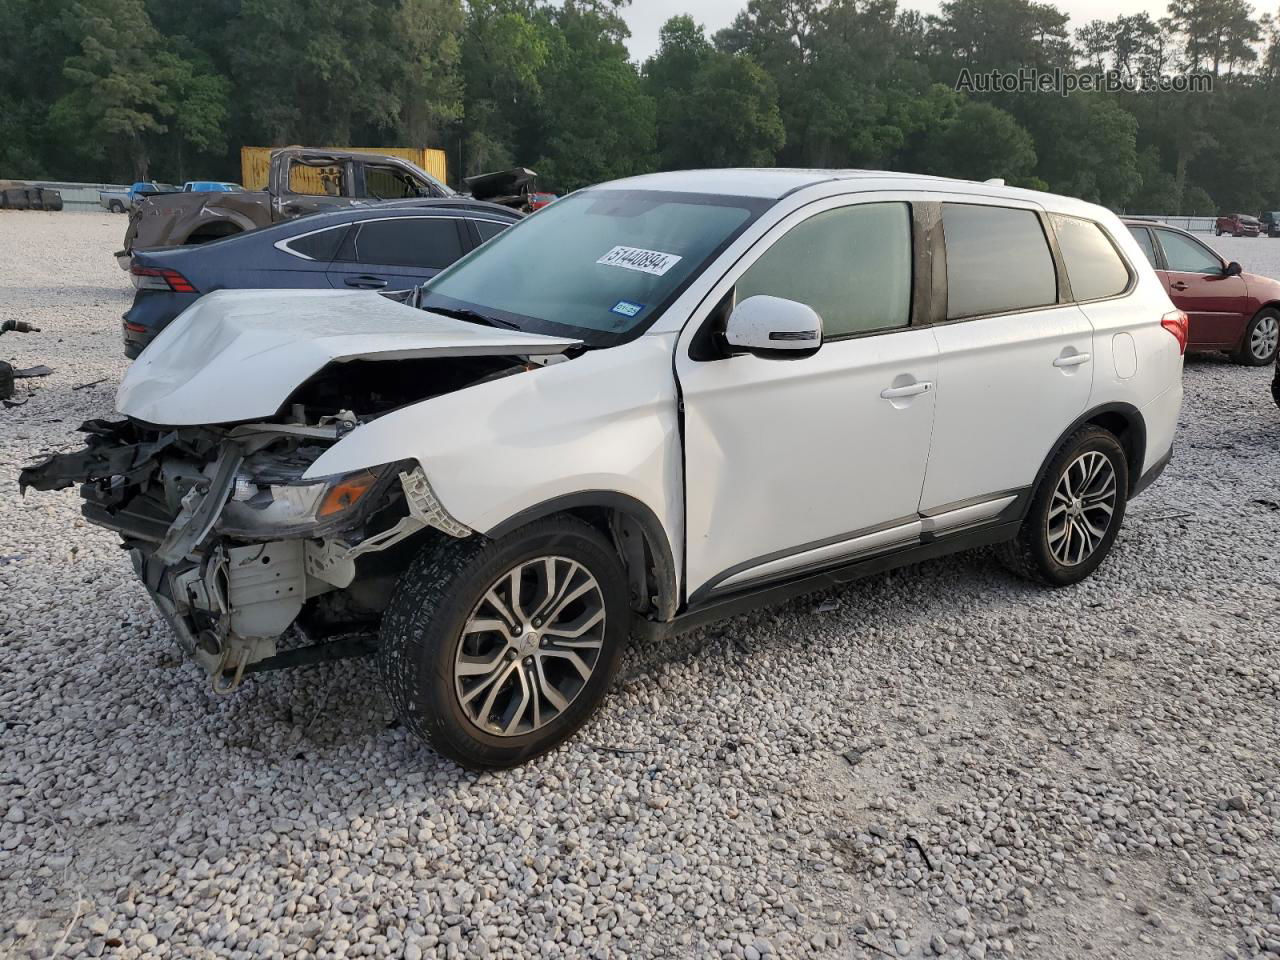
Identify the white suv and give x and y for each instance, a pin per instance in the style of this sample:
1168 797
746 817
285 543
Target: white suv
649 405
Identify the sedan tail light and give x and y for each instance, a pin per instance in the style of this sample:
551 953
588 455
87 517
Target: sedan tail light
1176 323
160 278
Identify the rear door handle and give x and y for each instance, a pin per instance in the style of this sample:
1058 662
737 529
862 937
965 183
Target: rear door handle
1074 360
1178 285
910 390
365 282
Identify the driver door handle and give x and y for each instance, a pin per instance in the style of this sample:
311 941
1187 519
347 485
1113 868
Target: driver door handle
910 390
365 282
1178 285
1074 360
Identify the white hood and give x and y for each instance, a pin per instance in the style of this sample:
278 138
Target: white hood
238 354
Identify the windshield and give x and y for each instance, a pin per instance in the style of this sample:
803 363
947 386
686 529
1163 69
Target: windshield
599 266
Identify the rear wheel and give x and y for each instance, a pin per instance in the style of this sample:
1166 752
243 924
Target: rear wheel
1261 339
115 206
495 651
1075 512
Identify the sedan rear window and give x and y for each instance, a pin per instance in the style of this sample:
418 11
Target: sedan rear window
998 261
1094 267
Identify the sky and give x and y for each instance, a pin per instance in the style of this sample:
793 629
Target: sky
646 17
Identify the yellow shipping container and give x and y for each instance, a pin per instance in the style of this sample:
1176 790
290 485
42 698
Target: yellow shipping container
255 162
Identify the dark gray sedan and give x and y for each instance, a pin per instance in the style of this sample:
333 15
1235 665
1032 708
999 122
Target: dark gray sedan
391 246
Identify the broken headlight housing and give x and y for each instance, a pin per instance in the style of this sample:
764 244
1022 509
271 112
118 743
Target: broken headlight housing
262 504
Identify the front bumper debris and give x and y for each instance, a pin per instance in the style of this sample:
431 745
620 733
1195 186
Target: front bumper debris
182 502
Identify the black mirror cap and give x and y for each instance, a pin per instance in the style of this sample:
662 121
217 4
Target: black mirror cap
1232 269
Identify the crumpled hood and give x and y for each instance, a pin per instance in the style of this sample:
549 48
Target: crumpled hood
238 354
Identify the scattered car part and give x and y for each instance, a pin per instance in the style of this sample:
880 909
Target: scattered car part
7 372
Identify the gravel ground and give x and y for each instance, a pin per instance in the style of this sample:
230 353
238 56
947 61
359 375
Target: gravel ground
938 761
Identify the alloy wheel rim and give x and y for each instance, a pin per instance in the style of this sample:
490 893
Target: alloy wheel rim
1265 337
529 646
1082 508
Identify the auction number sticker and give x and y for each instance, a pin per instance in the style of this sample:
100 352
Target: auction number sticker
645 261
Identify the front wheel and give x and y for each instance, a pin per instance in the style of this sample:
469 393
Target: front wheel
1261 339
1075 512
495 651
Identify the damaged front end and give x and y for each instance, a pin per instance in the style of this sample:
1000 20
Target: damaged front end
234 546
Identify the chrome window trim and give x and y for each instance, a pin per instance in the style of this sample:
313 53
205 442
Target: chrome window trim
283 245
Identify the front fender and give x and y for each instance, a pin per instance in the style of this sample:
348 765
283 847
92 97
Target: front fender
604 421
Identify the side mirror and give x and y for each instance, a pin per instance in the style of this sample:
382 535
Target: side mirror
773 327
1232 269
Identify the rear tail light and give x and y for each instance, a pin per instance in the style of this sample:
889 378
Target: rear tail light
160 278
1176 323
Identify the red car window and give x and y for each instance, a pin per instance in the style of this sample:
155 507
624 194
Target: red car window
1185 255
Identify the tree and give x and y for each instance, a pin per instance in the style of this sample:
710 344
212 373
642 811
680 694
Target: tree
1097 43
713 109
504 49
594 121
981 141
118 92
1218 33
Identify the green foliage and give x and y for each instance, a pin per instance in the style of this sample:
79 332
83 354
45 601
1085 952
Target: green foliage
714 109
125 89
981 141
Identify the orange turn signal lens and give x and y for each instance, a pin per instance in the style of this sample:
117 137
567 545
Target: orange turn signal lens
344 494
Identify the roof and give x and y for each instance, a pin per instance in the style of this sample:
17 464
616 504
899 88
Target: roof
776 183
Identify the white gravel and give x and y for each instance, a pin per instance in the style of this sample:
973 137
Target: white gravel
942 760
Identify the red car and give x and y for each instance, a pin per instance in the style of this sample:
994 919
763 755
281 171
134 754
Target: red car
1238 225
1229 309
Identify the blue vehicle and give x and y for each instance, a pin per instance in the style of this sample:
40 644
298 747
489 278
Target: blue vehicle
211 186
388 246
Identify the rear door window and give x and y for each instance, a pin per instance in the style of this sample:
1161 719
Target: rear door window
1094 266
1143 236
430 243
998 261
1185 255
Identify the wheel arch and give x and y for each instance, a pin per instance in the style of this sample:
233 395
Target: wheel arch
1125 422
636 532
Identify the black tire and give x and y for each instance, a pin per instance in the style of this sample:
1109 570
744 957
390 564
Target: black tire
422 630
1275 385
115 206
1244 353
1029 554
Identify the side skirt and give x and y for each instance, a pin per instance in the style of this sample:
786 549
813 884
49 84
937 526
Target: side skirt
720 608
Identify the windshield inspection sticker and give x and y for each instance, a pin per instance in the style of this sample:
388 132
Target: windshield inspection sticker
626 308
634 258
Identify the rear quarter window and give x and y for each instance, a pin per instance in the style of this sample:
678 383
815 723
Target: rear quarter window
998 261
321 245
1094 266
